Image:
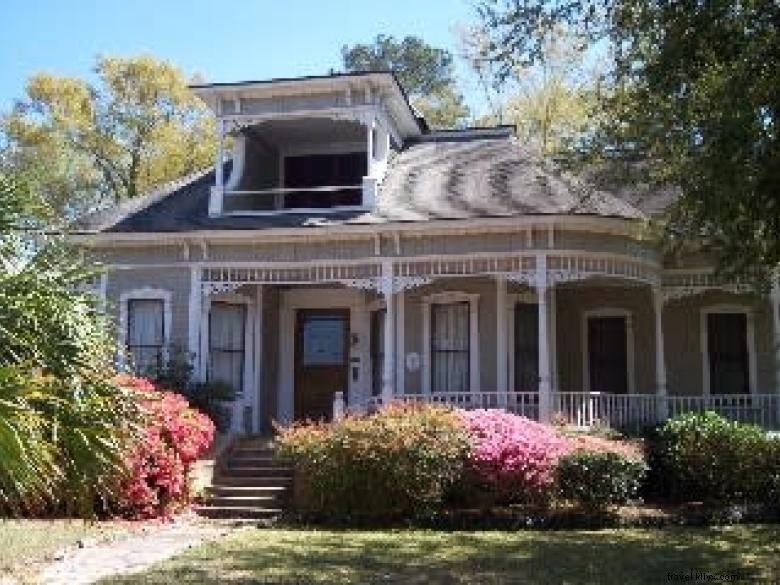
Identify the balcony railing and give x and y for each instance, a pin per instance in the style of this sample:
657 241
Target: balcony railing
621 411
292 200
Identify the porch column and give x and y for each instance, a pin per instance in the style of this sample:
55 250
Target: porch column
553 311
219 163
502 384
193 322
388 369
661 391
545 398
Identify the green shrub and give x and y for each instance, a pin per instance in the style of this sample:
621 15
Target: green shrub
705 457
395 464
597 480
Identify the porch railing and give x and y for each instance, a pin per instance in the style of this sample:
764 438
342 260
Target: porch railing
292 199
623 411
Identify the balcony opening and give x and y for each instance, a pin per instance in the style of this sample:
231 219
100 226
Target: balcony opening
298 164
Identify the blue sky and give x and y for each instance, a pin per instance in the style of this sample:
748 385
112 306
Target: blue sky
224 41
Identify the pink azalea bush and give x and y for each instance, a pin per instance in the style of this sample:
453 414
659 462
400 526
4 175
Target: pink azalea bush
158 465
511 455
593 444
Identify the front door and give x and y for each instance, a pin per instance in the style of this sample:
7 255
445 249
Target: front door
321 361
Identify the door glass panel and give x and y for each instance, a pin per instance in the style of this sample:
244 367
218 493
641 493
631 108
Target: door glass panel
323 341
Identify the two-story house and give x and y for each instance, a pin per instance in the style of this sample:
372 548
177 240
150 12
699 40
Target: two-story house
344 251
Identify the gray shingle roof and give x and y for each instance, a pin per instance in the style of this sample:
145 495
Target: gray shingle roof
431 180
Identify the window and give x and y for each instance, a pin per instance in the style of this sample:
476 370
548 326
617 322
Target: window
727 348
227 333
450 347
607 354
526 347
146 334
377 350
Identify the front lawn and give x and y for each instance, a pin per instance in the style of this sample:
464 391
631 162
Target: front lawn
417 557
25 545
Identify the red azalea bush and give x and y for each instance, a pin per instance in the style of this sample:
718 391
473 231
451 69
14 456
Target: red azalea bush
158 465
510 455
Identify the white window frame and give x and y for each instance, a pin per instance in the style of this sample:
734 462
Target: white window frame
446 298
630 345
145 294
750 342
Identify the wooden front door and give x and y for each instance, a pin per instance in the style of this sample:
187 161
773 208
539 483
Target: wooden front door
321 361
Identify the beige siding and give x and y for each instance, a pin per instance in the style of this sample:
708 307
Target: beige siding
682 335
292 252
574 301
175 280
486 289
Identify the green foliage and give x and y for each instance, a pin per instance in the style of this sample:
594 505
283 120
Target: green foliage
62 422
212 398
597 480
397 463
705 457
84 144
425 72
699 111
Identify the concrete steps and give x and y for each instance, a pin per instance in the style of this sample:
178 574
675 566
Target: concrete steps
249 485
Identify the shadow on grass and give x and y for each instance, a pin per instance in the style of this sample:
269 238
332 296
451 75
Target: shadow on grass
418 557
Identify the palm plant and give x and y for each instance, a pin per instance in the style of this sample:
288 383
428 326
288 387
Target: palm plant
63 423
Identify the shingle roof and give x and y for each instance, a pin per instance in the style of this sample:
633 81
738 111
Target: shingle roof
442 177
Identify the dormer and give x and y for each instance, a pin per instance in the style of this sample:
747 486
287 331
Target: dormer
313 144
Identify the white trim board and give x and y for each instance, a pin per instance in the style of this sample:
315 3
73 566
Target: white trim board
750 341
630 345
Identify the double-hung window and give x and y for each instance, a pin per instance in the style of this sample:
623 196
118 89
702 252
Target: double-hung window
146 334
450 347
227 338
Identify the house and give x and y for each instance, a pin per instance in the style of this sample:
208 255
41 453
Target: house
345 255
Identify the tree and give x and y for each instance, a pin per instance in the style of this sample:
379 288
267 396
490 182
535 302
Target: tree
693 101
85 144
425 72
551 104
63 423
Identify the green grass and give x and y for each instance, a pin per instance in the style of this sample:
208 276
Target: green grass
25 545
418 557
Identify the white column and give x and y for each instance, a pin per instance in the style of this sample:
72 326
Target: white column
257 359
219 162
661 389
553 310
370 147
388 389
545 398
502 355
194 322
400 343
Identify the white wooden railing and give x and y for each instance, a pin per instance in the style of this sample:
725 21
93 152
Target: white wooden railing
588 409
248 202
760 409
623 411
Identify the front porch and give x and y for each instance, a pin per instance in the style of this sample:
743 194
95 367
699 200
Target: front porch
581 339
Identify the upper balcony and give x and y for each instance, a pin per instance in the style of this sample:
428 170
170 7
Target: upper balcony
306 145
